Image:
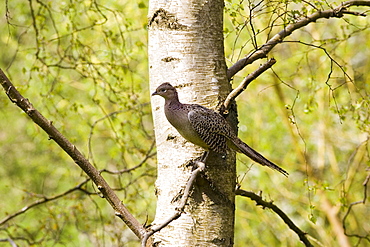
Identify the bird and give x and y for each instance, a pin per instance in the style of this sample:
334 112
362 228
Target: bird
205 127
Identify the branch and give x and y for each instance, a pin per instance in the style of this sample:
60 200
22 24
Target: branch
248 79
262 52
258 199
180 208
118 172
363 201
120 210
43 200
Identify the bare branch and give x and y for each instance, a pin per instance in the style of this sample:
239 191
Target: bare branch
120 210
147 156
180 208
45 199
365 183
259 201
262 52
248 79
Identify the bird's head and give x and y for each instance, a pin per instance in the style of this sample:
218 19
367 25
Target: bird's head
166 90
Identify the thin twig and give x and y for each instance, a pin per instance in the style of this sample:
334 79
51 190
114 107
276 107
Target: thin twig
259 200
262 52
148 155
363 201
248 79
44 199
180 208
108 193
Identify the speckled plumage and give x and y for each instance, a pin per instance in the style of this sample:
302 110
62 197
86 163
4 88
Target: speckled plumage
205 127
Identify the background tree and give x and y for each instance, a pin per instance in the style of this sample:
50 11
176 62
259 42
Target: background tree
310 113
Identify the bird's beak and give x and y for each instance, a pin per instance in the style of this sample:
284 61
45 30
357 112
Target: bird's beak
155 93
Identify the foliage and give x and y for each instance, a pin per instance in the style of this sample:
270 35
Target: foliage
311 113
83 64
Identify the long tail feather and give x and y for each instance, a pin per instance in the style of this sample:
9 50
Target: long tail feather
257 157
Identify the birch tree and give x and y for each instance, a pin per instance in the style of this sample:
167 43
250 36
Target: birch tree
186 49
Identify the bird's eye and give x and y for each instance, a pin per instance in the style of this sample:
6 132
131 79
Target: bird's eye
163 90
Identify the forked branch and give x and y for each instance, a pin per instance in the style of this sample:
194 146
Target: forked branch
262 51
43 200
353 204
180 209
244 84
259 201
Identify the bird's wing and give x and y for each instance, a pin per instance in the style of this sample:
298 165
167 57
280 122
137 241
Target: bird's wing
210 127
214 130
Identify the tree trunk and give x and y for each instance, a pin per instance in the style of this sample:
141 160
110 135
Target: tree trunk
186 49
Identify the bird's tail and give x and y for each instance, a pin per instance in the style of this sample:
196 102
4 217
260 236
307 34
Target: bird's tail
257 157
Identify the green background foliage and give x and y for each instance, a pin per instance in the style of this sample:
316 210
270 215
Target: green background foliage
311 115
83 64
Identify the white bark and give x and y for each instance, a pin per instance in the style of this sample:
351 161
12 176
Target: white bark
186 49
